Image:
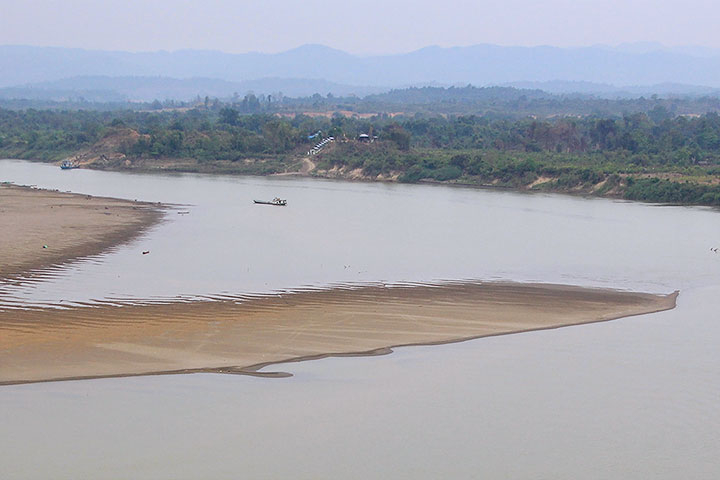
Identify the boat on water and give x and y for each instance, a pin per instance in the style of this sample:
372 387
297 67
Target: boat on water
279 202
68 165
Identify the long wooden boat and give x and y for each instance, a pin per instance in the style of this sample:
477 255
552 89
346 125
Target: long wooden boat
275 201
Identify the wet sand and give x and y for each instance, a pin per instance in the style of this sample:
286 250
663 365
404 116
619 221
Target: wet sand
241 335
70 226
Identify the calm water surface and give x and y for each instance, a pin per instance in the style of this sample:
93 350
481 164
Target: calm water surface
635 398
336 232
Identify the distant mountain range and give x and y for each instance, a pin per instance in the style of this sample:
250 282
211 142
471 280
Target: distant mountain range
58 72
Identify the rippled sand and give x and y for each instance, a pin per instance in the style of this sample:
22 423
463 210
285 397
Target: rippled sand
239 335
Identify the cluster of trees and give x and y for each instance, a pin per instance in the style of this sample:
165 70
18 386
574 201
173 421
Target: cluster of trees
666 191
574 151
490 102
646 137
514 103
34 133
655 138
497 103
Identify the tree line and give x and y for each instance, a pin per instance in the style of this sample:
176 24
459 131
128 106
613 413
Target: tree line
574 151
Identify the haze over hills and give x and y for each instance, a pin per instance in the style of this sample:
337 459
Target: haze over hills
101 88
604 70
605 90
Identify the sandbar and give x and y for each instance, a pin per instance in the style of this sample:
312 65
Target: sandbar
41 228
241 335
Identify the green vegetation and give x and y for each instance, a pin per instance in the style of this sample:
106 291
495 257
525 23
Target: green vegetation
656 156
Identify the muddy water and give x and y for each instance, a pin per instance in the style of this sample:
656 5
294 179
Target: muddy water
634 398
334 232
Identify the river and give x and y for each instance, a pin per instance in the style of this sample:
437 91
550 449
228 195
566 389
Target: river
634 398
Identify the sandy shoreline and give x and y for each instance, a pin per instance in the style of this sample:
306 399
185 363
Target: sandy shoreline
231 336
70 225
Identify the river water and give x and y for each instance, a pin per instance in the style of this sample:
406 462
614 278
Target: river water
635 398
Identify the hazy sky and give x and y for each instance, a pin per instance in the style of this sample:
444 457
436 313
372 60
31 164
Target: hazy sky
370 26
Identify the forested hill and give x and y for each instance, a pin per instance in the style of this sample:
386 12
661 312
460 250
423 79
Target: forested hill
492 102
510 102
655 157
467 94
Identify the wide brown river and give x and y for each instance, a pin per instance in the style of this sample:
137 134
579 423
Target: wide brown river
634 398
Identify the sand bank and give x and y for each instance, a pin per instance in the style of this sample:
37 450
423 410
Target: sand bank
68 225
239 335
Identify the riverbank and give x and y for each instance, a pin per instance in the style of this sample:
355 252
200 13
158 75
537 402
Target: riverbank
41 228
243 334
519 171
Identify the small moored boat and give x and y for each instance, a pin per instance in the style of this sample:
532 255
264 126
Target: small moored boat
275 201
68 165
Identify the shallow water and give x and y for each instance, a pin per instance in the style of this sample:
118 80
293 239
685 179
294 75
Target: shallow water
340 233
635 398
626 399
